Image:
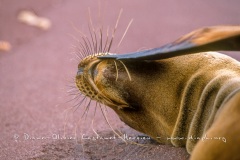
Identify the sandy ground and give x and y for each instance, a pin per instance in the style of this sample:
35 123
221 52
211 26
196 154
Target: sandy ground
36 73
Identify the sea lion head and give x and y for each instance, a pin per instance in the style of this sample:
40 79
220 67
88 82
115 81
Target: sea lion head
95 79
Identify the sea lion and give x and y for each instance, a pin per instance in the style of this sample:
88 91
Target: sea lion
174 96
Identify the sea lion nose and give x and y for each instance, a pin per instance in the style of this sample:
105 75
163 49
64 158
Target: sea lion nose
80 71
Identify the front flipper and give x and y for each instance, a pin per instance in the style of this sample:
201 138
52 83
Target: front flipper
217 38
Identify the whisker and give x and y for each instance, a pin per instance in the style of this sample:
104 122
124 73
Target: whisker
94 41
93 119
79 104
116 70
77 30
101 9
105 117
129 76
82 50
73 52
96 47
74 94
131 142
106 42
115 28
73 37
88 46
86 109
77 56
83 36
75 47
66 118
76 126
72 87
72 82
129 24
75 99
101 41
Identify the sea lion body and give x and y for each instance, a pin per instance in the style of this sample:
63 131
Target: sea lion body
173 100
185 100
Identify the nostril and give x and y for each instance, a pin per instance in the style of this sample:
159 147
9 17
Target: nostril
80 71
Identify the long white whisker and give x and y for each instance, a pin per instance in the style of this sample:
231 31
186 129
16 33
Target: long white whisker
116 70
66 117
126 70
93 120
115 28
105 116
129 24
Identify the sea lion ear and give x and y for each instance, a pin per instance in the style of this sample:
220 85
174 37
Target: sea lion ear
217 38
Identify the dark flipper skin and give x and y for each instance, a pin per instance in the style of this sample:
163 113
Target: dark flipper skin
217 38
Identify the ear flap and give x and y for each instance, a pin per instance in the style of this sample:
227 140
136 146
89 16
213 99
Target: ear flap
217 38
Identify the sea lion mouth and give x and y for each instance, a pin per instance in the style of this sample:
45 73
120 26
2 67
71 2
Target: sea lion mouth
91 82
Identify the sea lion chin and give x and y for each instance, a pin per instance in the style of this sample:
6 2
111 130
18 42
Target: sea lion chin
177 100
